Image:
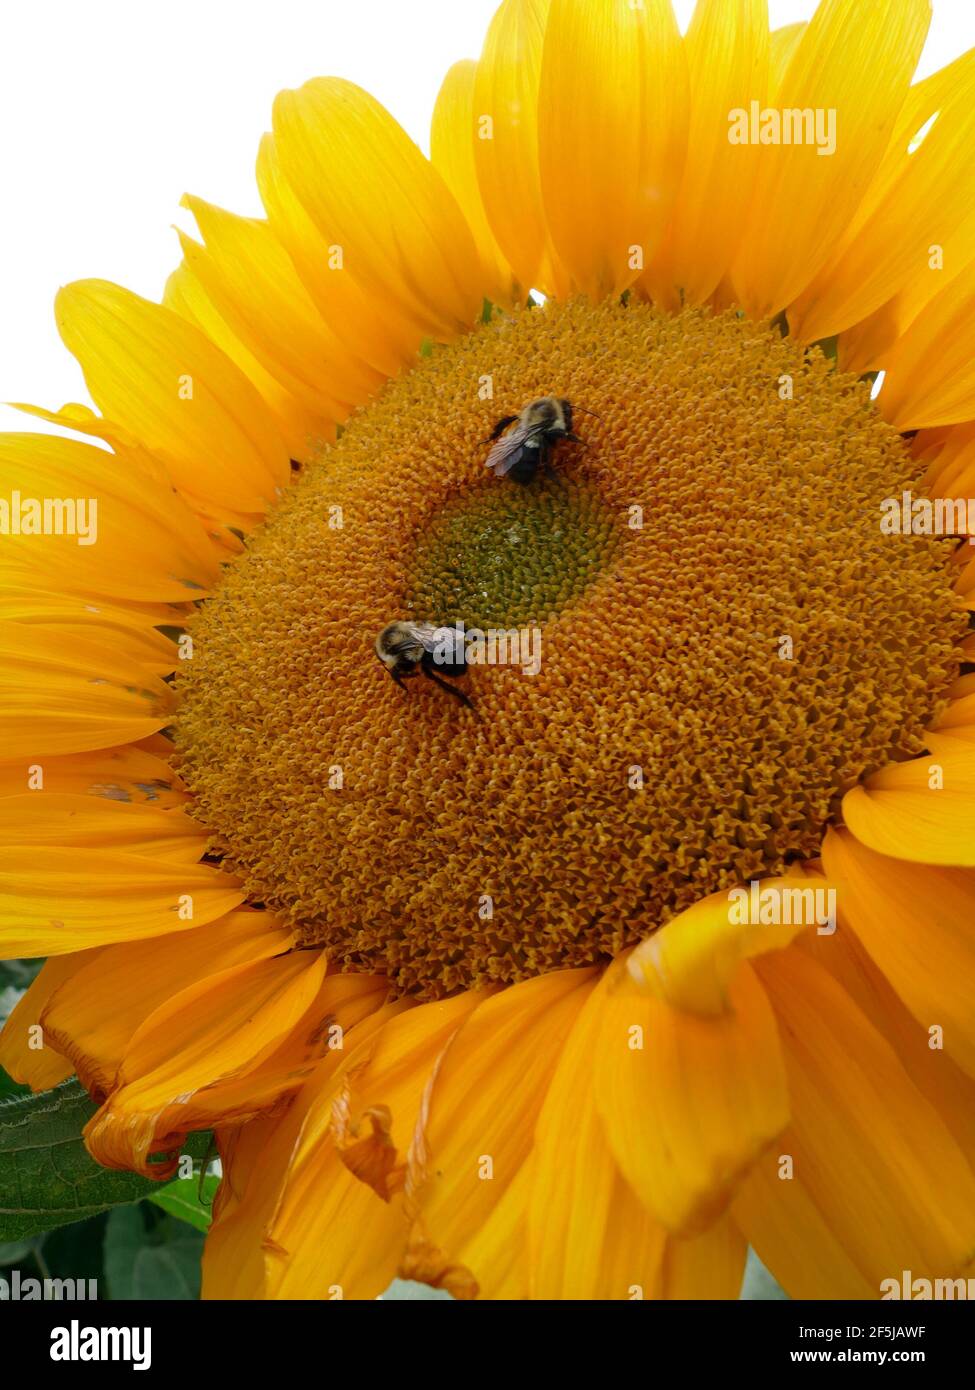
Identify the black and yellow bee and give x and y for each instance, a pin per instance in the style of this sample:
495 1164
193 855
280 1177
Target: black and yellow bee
537 429
408 649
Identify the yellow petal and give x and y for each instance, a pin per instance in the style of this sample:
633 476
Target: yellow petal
65 819
923 810
69 699
324 410
688 1102
220 1028
611 149
864 1143
965 578
498 1249
256 1157
953 458
58 900
924 100
251 280
932 1070
83 420
92 1014
129 775
916 922
372 194
793 1236
589 1236
302 430
233 1257
385 341
26 1050
727 60
924 206
341 1005
506 141
930 374
856 61
147 543
709 1266
961 689
67 617
452 135
335 1227
181 396
691 961
864 346
958 722
476 1131
782 45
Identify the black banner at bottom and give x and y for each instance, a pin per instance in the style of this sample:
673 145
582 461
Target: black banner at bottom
183 1338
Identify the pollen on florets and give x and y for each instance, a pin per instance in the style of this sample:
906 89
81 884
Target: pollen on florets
729 643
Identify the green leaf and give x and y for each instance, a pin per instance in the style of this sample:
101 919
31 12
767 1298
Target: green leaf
75 1251
182 1200
9 1087
47 1176
151 1256
12 1252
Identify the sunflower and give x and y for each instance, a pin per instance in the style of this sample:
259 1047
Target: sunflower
650 951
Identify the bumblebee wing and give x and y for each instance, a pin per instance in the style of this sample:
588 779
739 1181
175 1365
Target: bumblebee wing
412 641
508 449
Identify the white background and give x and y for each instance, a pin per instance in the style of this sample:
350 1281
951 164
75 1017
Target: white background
111 109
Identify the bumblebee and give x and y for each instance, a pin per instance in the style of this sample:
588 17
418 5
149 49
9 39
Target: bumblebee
537 429
407 649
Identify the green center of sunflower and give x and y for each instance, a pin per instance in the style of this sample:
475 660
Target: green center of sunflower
727 642
510 555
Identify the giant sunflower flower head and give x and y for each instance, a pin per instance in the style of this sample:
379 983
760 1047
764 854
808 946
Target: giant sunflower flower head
657 942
